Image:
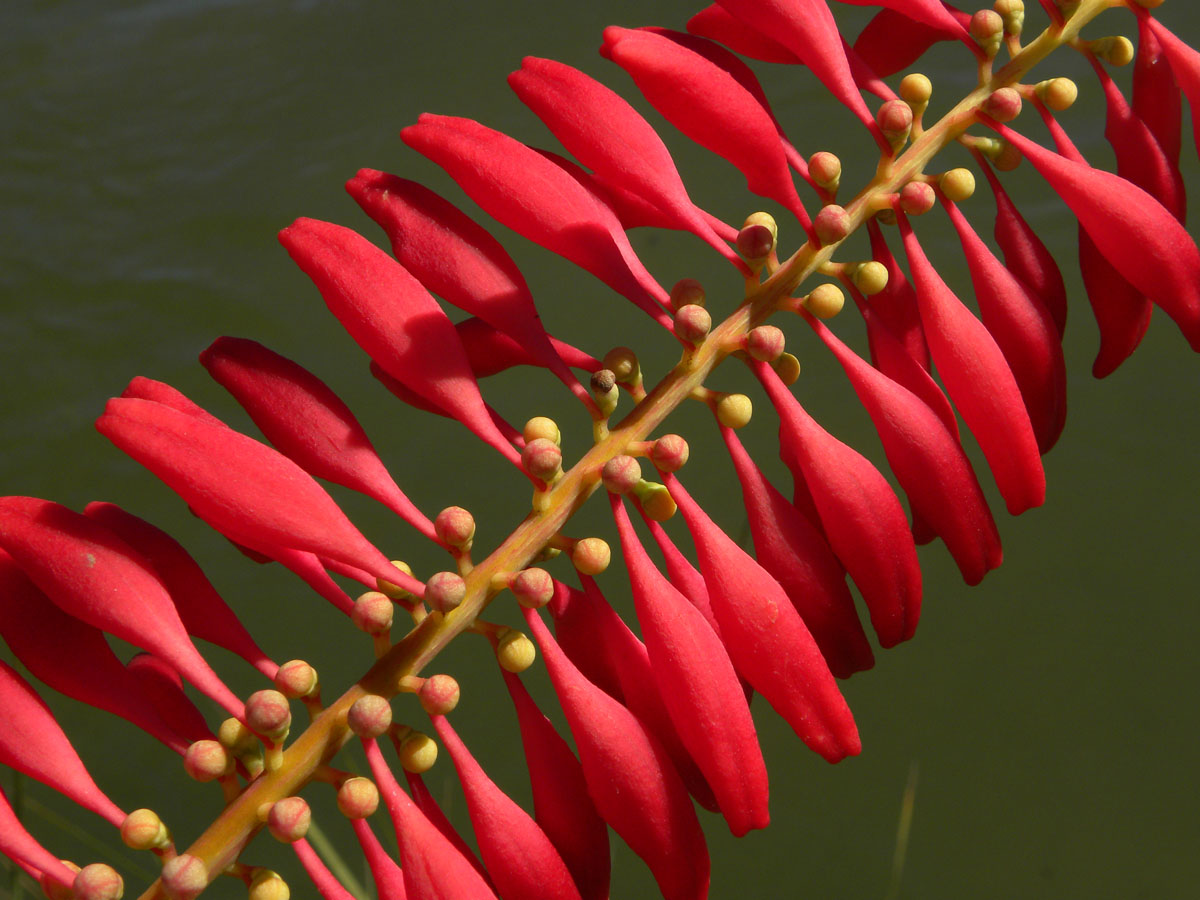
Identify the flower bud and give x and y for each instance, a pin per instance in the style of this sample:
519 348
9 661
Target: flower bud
439 694
869 277
621 474
144 830
687 292
532 587
236 737
417 752
357 798
825 301
268 715
987 28
55 890
604 389
540 427
288 819
370 716
825 169
1057 93
514 651
373 613
184 877
692 324
207 761
734 410
455 527
542 459
787 367
957 184
917 198
445 590
655 500
832 224
98 882
669 453
895 118
1013 14
916 89
268 885
1007 157
591 556
757 237
394 590
1003 105
623 363
1116 50
296 678
764 343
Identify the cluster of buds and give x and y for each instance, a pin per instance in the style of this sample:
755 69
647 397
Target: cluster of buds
659 715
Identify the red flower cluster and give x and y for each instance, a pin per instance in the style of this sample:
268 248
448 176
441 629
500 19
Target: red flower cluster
662 721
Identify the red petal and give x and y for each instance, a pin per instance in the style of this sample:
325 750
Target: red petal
161 683
980 383
716 23
630 777
18 844
327 886
385 871
1156 98
860 514
522 189
767 640
700 688
1185 66
93 575
490 351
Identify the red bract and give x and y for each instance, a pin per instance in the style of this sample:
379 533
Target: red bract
457 259
932 13
1185 66
1156 99
203 613
241 487
980 383
1026 256
18 844
609 136
522 189
710 106
807 29
430 809
682 573
797 555
433 868
327 886
630 777
1142 240
860 515
896 305
561 804
699 686
385 871
393 318
160 682
71 656
490 351
519 857
93 575
1024 331
307 422
766 638
928 461
717 24
31 742
601 645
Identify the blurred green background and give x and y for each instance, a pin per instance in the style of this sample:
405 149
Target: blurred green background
152 148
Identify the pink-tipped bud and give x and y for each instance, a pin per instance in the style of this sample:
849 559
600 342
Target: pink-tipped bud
357 798
542 458
1003 105
370 716
669 453
144 830
917 198
987 28
98 882
755 241
268 714
825 169
438 695
288 819
692 324
591 556
532 587
832 224
621 474
445 590
207 761
895 120
687 292
297 679
455 527
373 613
184 877
765 343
